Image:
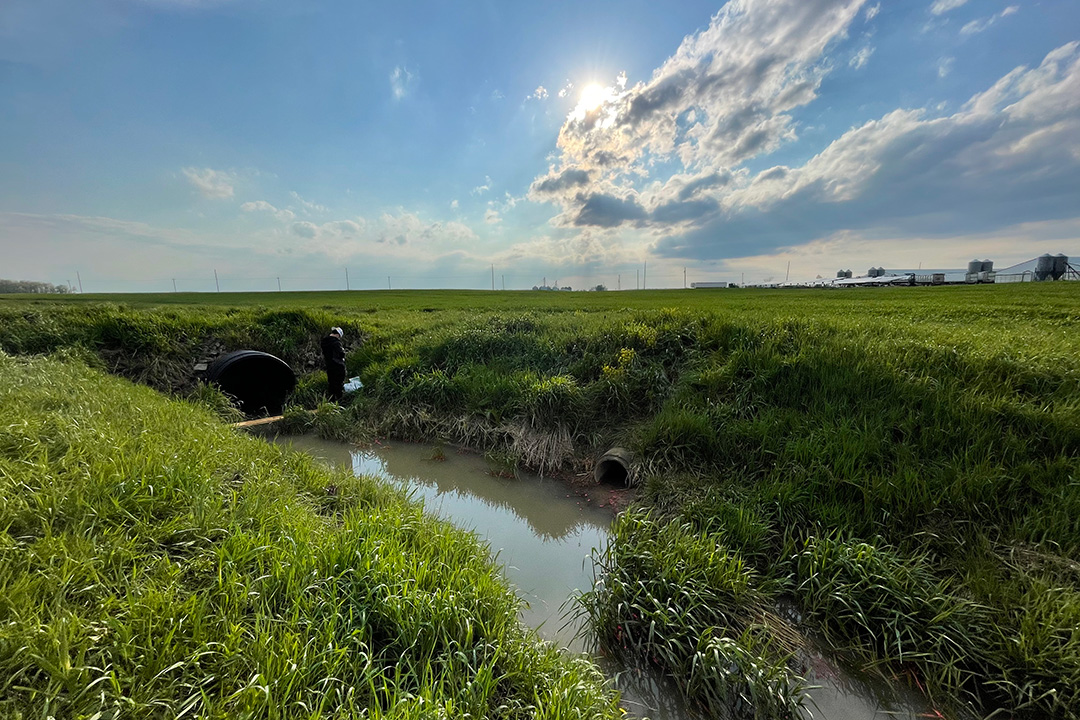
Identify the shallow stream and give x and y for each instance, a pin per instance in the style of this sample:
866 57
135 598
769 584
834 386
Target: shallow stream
543 535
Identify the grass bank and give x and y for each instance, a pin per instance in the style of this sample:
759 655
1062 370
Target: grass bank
902 465
155 563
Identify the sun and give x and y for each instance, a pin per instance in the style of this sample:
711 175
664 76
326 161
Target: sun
593 96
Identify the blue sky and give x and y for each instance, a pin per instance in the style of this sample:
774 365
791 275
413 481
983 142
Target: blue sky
143 141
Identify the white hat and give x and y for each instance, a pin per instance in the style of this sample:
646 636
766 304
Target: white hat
339 331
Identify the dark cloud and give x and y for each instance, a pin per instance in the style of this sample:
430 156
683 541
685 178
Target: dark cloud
938 178
704 182
1011 155
675 212
554 183
608 211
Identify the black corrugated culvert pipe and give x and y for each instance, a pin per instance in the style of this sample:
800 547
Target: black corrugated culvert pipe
613 467
259 381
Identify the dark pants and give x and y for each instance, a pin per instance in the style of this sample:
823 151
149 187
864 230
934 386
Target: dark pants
335 378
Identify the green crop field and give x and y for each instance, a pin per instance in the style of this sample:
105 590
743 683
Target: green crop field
900 464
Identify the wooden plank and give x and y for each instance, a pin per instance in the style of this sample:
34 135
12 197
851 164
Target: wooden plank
260 421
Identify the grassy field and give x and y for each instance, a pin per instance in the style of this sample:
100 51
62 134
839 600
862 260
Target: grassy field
900 464
156 563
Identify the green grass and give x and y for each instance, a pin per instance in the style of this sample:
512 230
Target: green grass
155 563
903 464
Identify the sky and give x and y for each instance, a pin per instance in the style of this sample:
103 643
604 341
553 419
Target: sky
310 144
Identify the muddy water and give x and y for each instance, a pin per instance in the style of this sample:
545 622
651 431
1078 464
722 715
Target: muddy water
543 536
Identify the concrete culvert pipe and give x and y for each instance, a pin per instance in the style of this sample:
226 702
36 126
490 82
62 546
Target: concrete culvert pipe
613 467
259 381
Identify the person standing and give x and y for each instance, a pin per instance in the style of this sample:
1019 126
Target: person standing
334 356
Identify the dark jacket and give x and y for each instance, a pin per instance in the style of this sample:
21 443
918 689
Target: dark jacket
333 354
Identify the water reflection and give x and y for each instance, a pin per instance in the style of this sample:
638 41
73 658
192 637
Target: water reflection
543 536
467 475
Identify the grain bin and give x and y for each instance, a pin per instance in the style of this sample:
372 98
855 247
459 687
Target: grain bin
974 267
1044 267
1061 266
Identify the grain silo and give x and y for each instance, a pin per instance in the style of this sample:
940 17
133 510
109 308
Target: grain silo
1061 266
1044 267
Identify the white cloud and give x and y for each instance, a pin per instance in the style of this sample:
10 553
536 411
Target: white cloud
453 204
263 206
305 229
213 184
401 81
540 93
409 231
859 59
306 205
492 217
978 26
566 89
723 98
872 12
481 189
943 6
945 66
1010 155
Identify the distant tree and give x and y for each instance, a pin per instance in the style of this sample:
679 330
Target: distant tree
567 288
30 286
600 288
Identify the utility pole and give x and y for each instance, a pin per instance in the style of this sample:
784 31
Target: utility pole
346 279
684 277
503 281
743 282
216 283
79 278
279 284
174 284
388 287
787 276
619 281
645 276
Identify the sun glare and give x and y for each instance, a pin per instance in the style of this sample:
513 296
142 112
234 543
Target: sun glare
592 96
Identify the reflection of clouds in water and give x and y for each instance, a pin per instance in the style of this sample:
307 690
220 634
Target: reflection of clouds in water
543 540
542 503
